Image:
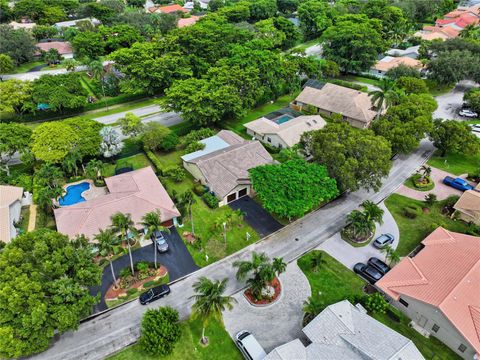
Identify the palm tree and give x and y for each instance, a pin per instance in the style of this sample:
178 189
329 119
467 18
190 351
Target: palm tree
124 224
384 95
279 266
311 308
317 261
359 224
108 245
210 301
98 72
391 256
426 172
189 200
373 212
152 222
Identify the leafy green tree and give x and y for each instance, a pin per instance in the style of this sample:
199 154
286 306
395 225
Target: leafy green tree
402 71
152 222
51 56
52 141
15 96
51 275
354 42
32 9
355 158
51 15
315 17
236 13
88 130
108 245
262 9
13 138
267 31
47 185
450 67
98 11
131 124
292 35
136 3
160 331
6 65
155 135
119 36
451 136
70 64
287 6
123 224
41 32
293 188
210 301
391 17
412 85
18 44
88 44
472 98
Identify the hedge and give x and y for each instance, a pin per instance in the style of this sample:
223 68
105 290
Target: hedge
210 200
154 160
348 84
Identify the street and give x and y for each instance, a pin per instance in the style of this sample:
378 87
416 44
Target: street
110 332
449 104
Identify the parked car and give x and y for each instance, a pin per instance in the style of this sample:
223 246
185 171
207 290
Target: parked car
457 183
368 272
249 346
475 127
154 294
468 113
159 241
379 265
383 240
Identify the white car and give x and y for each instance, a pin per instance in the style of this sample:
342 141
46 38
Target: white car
249 346
468 113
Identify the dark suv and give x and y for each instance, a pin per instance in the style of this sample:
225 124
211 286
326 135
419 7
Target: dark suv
154 294
368 272
379 265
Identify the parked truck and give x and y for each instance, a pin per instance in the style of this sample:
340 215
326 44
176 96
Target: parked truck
457 183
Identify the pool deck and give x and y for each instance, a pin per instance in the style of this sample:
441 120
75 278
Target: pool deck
92 193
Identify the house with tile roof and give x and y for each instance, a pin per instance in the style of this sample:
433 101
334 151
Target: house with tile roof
167 9
64 48
382 66
468 206
183 22
10 210
344 331
223 164
136 193
354 106
439 289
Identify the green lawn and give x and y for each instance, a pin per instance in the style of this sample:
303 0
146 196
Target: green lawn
221 346
455 163
365 80
24 217
137 161
305 45
413 231
438 89
27 66
334 282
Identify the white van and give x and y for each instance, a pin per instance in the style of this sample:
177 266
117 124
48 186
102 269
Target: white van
249 346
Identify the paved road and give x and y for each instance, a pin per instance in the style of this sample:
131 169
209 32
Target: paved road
450 103
143 111
36 74
177 260
110 332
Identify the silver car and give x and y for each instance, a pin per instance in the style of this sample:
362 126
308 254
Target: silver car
468 113
383 240
249 346
159 241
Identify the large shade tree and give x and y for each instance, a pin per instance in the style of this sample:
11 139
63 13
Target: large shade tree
13 138
52 141
452 136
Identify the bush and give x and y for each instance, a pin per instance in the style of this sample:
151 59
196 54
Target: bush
474 176
447 204
376 303
154 160
176 173
160 331
149 284
132 291
141 266
210 200
125 272
199 189
348 84
194 146
430 199
170 142
411 211
197 135
426 185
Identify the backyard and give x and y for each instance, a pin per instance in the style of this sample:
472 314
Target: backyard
333 282
413 231
456 163
220 347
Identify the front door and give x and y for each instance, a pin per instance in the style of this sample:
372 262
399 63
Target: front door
231 197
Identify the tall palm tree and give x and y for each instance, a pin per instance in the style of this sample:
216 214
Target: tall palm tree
391 256
210 301
384 95
311 308
373 212
426 172
279 266
152 222
124 224
98 72
189 200
359 224
109 246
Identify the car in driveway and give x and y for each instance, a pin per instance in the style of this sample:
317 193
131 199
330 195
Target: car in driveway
384 240
159 241
379 265
457 183
468 113
368 272
249 346
154 294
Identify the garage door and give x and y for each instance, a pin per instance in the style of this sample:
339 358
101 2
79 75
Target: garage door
231 197
242 193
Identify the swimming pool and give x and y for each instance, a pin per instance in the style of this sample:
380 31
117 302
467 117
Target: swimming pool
282 119
74 194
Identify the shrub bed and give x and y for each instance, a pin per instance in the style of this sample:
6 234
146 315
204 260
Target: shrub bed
210 200
425 184
412 211
156 163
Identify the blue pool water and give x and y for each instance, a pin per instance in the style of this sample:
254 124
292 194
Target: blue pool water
282 119
74 194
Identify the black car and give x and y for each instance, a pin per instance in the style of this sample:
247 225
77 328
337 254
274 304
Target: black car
379 265
367 272
154 294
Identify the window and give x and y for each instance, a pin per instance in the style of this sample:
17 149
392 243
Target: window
435 328
403 302
462 348
269 140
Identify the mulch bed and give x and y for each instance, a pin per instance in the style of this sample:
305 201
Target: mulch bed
113 294
278 289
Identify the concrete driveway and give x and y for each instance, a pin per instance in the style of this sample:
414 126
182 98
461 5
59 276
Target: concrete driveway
177 260
441 190
275 324
349 255
256 216
449 104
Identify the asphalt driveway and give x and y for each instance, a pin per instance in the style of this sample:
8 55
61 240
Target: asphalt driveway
449 104
177 260
256 216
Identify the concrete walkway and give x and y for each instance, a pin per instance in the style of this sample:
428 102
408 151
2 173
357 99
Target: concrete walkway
441 190
349 255
33 217
275 324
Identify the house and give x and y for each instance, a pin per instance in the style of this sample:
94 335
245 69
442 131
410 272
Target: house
73 23
168 9
344 331
389 62
223 165
468 206
355 106
22 25
187 21
64 48
411 52
430 33
439 289
10 209
136 193
283 129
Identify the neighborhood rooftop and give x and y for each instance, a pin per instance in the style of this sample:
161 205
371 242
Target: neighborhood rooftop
8 196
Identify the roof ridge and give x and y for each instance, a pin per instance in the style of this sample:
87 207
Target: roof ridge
401 283
475 314
154 204
477 263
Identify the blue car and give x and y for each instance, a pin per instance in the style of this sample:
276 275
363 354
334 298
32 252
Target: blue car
457 183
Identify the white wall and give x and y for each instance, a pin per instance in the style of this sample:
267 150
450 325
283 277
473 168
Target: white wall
15 210
275 140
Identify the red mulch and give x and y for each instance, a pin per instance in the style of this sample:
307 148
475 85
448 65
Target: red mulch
278 289
189 237
113 293
426 210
